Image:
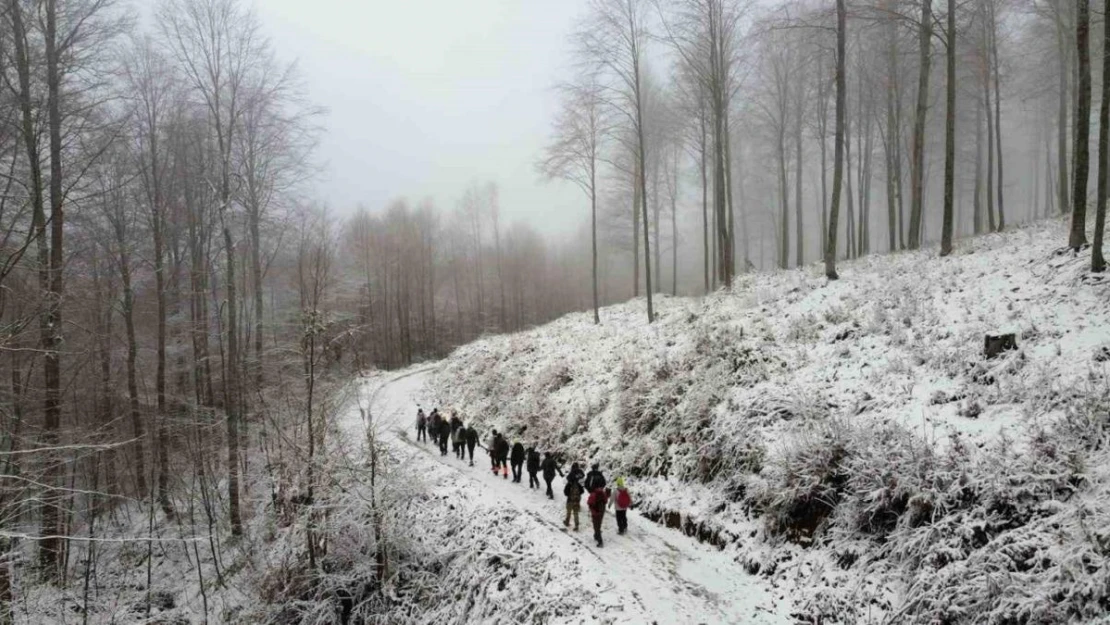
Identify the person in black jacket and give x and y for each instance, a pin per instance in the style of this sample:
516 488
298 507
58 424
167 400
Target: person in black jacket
471 441
456 422
516 460
594 479
491 449
444 436
550 468
434 425
575 474
533 466
501 452
573 492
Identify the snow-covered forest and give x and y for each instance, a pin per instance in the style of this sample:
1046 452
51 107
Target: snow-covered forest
835 308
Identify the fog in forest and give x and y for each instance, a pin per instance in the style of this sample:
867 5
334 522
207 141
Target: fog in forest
241 241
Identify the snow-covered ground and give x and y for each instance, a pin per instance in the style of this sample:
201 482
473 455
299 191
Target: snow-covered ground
849 440
649 575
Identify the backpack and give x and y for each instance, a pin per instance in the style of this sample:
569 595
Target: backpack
573 491
597 501
624 500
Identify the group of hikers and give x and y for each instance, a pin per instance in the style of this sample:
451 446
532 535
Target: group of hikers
464 438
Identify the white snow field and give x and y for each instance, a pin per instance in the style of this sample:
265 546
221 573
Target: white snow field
649 575
849 442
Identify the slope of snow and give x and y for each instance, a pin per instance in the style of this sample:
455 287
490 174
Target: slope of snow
860 416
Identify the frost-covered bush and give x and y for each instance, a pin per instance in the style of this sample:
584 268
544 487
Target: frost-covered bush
805 479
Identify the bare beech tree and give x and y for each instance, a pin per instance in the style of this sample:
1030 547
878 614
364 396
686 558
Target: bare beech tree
217 45
574 154
613 41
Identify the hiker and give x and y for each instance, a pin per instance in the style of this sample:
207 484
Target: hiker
550 467
575 473
599 497
471 441
456 422
516 459
421 426
458 442
594 479
491 449
444 436
622 501
573 492
501 450
434 423
533 466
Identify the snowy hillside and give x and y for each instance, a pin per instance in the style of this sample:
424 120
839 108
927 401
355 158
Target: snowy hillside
849 440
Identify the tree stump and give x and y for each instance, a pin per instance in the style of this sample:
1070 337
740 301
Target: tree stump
996 344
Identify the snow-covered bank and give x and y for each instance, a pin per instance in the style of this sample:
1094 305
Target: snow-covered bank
860 417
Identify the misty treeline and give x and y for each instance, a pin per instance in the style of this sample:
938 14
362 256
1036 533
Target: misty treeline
711 137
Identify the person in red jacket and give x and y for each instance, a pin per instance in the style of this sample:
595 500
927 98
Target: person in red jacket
596 503
622 501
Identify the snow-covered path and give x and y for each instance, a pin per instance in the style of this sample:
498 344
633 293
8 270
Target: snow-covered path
651 574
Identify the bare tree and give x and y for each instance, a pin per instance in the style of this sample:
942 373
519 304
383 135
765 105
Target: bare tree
917 173
581 130
614 42
216 43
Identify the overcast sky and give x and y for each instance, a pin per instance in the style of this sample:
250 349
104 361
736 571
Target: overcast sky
426 96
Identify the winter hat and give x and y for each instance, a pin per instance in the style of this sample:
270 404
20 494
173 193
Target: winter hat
595 466
620 482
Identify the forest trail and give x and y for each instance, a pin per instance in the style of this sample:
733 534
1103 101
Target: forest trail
651 574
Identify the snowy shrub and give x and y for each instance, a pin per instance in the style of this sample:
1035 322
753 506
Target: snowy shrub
803 328
785 403
805 480
836 314
1055 570
897 478
554 378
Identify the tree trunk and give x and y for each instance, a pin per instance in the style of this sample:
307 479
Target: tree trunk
1098 263
1062 120
800 242
1078 237
850 221
636 198
784 196
949 135
977 202
918 170
997 112
593 235
137 429
644 198
704 198
50 547
838 150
